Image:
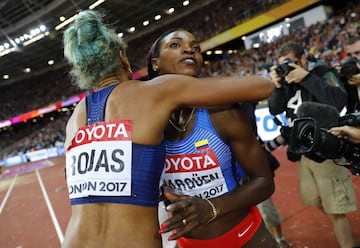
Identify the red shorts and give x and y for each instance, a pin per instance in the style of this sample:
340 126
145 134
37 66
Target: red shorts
234 238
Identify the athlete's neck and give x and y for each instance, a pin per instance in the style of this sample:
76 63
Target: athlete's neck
107 82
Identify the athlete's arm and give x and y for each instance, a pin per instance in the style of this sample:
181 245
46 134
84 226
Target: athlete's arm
183 90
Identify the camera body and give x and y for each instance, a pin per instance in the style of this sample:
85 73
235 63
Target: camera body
283 70
309 139
349 67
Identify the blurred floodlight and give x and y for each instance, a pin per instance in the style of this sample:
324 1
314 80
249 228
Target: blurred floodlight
170 11
97 3
186 3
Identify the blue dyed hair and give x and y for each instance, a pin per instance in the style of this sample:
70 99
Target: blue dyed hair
92 49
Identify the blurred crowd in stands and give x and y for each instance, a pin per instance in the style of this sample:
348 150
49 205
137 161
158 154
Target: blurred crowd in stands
204 23
323 41
37 92
40 133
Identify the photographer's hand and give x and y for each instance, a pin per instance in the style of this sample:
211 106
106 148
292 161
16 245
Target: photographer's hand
354 80
349 133
296 75
274 77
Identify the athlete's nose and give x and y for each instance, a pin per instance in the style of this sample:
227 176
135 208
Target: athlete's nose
189 49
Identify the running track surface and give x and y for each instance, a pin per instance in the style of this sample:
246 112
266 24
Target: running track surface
35 209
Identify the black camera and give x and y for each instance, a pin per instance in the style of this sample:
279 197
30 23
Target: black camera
315 142
283 70
349 67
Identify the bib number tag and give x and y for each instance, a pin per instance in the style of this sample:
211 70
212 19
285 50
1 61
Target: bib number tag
98 161
197 174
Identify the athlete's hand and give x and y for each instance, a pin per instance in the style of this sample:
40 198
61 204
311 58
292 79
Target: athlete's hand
187 213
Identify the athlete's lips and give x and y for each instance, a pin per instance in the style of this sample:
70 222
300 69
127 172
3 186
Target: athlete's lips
189 60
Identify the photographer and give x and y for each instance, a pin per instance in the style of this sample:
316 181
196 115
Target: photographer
319 182
350 72
295 84
353 47
350 75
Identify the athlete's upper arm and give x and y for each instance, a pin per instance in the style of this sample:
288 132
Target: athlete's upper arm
245 147
184 90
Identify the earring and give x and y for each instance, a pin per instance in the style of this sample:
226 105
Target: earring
155 68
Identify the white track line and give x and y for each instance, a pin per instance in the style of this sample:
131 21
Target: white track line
8 193
51 210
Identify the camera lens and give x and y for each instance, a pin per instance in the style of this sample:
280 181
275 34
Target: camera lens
307 137
303 136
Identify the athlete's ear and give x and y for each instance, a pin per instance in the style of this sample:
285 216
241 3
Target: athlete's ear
155 64
124 59
125 63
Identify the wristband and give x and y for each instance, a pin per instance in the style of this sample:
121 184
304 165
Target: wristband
213 208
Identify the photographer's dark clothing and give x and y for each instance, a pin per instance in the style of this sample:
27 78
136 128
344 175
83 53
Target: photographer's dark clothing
324 185
326 89
349 68
321 85
353 101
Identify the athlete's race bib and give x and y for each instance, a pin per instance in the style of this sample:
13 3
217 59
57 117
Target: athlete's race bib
197 174
99 159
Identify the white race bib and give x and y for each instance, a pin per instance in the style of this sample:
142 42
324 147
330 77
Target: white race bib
99 159
196 174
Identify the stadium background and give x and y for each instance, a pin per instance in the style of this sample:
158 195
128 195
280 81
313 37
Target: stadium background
36 93
37 97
